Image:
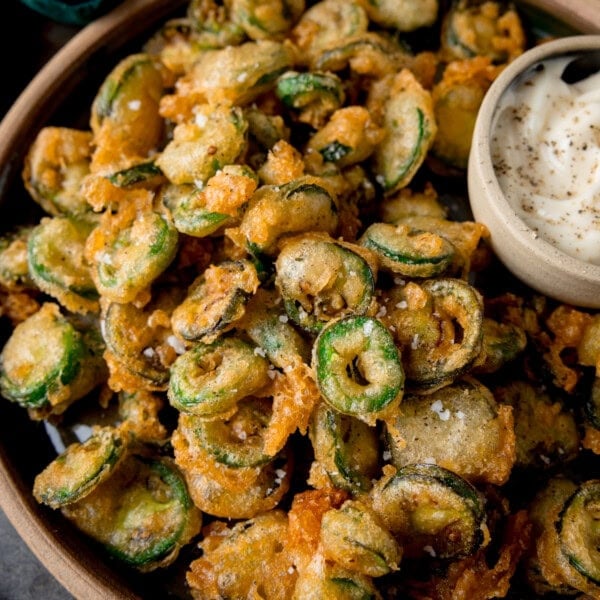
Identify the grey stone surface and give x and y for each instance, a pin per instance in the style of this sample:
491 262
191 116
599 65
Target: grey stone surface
22 576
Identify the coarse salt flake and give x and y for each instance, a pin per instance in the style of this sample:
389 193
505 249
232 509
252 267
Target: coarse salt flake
200 120
134 104
283 318
176 344
368 327
381 312
437 406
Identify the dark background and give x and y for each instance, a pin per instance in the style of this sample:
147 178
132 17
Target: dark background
27 41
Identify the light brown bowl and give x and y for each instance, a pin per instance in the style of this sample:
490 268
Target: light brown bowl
532 259
24 446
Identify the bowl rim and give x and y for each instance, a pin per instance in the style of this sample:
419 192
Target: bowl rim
481 172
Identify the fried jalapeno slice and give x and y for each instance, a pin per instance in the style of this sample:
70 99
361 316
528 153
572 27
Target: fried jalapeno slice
216 300
461 427
48 376
578 531
209 379
320 280
345 448
354 537
358 368
305 204
55 255
482 29
565 558
254 550
438 326
55 167
129 251
80 468
314 95
125 120
141 338
237 441
408 251
14 267
142 514
409 121
431 510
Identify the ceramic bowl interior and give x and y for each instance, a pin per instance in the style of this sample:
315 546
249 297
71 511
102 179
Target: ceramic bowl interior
535 261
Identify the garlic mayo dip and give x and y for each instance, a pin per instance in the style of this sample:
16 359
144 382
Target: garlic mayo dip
545 146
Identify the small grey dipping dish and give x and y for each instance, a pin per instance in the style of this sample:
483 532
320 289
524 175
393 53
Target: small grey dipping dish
534 169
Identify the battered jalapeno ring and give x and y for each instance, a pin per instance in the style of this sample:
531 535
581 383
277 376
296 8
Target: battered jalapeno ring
320 279
426 506
142 514
358 368
209 379
346 448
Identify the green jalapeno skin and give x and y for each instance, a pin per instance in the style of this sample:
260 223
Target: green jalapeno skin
54 252
152 513
427 506
501 343
209 379
269 328
358 368
142 173
80 468
591 407
408 251
578 530
188 216
319 92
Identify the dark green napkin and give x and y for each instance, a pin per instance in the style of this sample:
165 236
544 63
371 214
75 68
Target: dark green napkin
71 12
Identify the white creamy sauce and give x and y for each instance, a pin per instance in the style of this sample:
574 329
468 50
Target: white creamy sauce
546 153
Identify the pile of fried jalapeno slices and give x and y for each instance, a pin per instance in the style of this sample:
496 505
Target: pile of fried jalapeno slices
253 238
